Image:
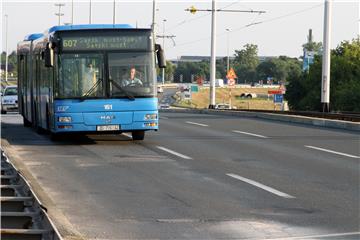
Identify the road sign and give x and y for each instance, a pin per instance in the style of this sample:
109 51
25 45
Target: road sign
194 88
278 98
231 74
231 82
275 91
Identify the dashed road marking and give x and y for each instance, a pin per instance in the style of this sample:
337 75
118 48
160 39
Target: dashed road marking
331 151
320 236
250 134
173 152
260 185
198 124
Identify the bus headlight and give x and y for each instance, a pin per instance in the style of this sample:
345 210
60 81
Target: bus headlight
64 119
152 116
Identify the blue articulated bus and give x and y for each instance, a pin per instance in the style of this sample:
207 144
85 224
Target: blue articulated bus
89 79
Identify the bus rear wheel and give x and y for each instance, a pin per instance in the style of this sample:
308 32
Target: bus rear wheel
26 122
56 136
138 135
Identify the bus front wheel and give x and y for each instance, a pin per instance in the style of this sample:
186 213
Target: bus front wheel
138 135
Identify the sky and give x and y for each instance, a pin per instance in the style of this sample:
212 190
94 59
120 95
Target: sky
280 31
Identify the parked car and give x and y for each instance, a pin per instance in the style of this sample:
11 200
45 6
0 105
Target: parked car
164 106
9 99
224 106
160 89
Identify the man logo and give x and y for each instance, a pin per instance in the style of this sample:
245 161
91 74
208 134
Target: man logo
108 107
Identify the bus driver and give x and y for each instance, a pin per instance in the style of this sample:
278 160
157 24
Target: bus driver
132 81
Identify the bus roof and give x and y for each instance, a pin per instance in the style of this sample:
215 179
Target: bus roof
88 26
33 36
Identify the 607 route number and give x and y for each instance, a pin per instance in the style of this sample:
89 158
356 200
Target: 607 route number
69 43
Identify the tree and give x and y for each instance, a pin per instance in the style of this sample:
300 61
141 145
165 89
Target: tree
189 71
278 68
12 62
245 63
304 91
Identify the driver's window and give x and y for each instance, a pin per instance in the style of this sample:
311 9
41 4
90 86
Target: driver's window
128 73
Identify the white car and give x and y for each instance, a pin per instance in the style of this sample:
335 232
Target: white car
160 89
9 99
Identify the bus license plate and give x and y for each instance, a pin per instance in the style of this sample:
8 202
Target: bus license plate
108 128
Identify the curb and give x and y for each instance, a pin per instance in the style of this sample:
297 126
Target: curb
319 122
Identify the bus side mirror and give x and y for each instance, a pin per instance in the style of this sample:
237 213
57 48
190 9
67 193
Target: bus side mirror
49 56
160 56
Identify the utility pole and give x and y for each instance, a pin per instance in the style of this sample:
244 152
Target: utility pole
72 12
59 14
114 11
325 82
213 56
359 21
90 12
163 70
228 60
6 49
213 11
153 19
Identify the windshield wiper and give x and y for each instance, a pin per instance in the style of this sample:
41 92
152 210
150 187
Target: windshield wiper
92 89
127 94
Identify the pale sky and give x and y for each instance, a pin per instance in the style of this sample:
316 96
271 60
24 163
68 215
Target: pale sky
280 31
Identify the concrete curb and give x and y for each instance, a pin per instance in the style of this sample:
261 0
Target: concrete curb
320 122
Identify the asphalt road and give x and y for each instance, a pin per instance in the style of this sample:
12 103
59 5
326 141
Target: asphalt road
201 177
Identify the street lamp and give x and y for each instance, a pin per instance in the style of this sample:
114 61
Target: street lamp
59 14
163 70
228 30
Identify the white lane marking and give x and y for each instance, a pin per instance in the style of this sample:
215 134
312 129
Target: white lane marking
320 236
251 134
198 124
127 135
164 118
259 185
173 152
331 151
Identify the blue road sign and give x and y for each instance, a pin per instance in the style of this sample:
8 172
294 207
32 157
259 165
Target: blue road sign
278 98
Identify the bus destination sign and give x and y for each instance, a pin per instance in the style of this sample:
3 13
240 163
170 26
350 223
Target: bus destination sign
105 43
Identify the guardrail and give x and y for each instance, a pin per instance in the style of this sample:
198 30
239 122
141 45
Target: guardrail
22 215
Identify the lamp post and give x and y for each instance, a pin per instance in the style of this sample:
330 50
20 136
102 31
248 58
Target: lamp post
163 70
6 48
59 14
228 60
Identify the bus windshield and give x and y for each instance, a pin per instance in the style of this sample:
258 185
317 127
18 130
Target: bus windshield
81 75
131 74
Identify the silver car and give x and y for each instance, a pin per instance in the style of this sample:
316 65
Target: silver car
9 99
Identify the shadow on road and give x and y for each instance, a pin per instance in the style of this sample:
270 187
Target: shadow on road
17 134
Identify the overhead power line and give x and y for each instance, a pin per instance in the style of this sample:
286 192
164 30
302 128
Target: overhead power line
253 23
199 17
